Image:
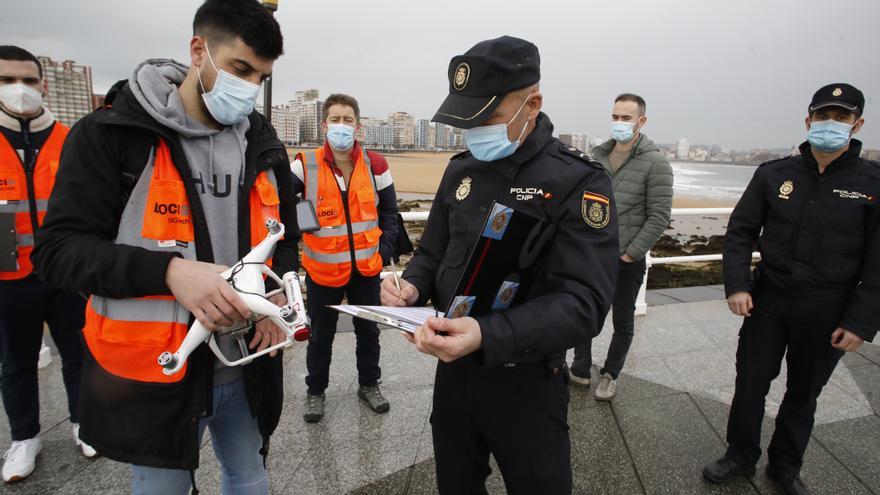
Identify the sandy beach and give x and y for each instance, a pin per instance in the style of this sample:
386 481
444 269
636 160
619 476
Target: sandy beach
417 176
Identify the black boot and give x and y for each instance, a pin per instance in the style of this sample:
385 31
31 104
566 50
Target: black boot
724 470
788 485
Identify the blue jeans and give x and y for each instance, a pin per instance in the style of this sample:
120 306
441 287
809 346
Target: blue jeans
236 441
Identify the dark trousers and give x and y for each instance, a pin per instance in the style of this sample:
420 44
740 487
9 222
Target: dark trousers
359 290
629 281
24 306
800 328
518 413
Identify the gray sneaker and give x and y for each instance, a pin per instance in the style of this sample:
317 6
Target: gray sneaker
579 380
607 387
373 397
314 408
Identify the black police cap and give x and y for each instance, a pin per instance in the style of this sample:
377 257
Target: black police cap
479 79
838 95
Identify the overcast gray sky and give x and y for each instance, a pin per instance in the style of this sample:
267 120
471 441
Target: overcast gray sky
738 72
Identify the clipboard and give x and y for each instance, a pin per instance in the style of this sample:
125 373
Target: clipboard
407 319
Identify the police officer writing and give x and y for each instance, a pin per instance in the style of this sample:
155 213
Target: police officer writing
816 219
501 385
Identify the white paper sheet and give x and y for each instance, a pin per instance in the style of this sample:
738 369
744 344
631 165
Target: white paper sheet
408 319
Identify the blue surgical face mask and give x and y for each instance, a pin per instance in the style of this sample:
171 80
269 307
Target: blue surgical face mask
829 135
623 132
340 136
489 142
231 99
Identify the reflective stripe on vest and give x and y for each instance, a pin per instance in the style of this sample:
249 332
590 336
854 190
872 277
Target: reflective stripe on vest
357 227
14 193
327 253
361 254
126 336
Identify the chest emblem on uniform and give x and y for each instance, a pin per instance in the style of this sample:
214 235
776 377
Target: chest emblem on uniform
596 210
464 189
786 189
462 74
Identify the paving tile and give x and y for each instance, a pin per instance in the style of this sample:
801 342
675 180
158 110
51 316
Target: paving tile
600 461
652 369
700 370
669 339
854 443
654 298
871 351
694 294
868 380
670 441
424 479
670 434
394 484
822 472
58 462
853 359
103 476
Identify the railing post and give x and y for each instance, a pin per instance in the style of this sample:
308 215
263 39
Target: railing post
641 304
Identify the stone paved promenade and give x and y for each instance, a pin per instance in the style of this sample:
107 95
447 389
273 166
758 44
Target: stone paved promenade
667 421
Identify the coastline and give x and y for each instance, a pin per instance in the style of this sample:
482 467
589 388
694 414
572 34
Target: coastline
417 176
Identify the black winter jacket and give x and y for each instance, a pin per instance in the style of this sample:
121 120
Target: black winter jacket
105 154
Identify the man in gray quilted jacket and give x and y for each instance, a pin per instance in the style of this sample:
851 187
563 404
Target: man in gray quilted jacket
642 179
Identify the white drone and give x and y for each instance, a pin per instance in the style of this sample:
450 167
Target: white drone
246 277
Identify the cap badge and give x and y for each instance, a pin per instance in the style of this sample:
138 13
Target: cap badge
837 92
464 189
462 74
786 189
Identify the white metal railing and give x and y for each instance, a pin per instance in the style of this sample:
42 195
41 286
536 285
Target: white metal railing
641 305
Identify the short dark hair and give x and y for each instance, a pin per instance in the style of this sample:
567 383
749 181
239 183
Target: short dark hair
341 99
246 19
635 99
12 52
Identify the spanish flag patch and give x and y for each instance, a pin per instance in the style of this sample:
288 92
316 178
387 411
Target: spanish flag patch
596 210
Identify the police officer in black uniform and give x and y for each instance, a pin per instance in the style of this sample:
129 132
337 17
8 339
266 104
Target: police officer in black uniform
500 386
815 293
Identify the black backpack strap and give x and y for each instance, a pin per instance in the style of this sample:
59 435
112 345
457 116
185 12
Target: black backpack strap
140 147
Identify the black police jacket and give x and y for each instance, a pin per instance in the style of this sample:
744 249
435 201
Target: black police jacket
816 232
577 270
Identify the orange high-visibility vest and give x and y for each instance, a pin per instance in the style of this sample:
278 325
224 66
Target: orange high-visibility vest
14 197
126 336
326 254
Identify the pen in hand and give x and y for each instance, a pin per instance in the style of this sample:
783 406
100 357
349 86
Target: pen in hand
396 279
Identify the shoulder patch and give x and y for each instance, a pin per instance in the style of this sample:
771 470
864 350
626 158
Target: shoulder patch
595 209
463 154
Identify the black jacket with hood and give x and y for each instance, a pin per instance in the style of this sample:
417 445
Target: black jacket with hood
135 422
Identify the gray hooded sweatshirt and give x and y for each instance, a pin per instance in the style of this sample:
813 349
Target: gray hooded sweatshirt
216 158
